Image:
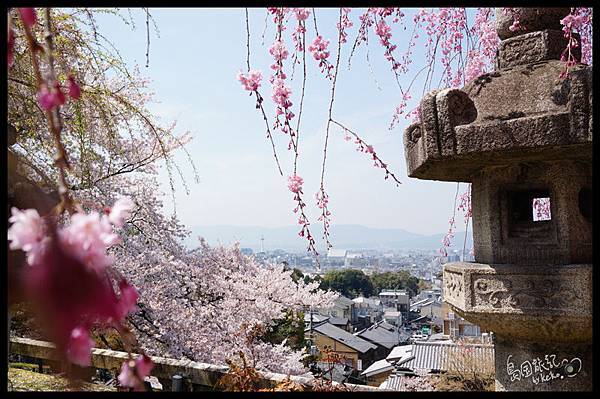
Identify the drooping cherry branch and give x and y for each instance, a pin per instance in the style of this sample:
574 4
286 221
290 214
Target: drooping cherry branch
71 279
464 50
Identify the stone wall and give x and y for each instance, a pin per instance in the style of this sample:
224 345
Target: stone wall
201 376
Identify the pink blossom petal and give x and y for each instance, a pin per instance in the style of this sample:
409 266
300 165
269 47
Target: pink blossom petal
128 299
74 90
28 16
121 211
79 350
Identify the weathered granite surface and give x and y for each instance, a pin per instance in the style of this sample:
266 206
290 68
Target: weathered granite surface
533 303
531 20
520 133
500 236
526 113
534 47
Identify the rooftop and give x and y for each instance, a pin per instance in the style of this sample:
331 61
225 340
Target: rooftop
383 336
344 337
380 366
400 353
439 356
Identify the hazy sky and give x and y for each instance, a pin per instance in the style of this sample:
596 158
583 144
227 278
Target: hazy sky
193 67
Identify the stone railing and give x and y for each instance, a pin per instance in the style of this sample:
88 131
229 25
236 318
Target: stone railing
200 376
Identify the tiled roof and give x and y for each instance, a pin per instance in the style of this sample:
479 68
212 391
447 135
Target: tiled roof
378 367
316 318
342 300
344 337
438 356
400 353
338 321
393 383
382 336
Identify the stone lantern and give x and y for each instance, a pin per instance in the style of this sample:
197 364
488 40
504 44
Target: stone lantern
519 134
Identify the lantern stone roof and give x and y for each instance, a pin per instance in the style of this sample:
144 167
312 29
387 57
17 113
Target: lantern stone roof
525 110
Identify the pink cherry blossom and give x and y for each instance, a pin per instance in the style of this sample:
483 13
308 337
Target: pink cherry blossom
27 230
318 48
281 94
71 296
74 90
278 50
26 233
128 299
127 377
475 65
50 98
251 81
121 211
87 238
79 350
295 183
59 96
301 13
345 24
28 16
45 98
383 30
133 372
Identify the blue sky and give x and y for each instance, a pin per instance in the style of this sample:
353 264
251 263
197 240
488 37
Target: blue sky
193 67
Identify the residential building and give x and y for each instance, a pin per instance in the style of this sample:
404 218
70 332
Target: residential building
393 317
356 352
385 336
369 311
396 300
342 308
377 373
455 326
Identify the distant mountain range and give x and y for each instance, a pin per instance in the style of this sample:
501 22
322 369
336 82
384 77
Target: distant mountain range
352 237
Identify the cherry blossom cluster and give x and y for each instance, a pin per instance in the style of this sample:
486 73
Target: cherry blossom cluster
344 24
295 185
480 59
69 278
301 15
366 21
209 304
516 16
541 208
50 94
319 51
322 201
400 109
465 204
384 31
251 80
575 21
281 93
447 239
